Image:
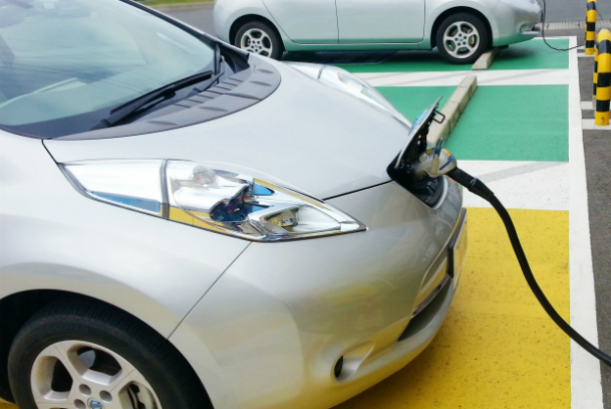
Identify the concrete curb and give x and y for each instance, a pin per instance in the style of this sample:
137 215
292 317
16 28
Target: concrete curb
485 60
181 7
453 109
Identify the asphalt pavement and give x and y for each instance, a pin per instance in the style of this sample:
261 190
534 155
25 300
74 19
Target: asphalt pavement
199 18
597 146
574 10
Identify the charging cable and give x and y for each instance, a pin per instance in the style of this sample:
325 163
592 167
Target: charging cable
480 189
543 31
419 161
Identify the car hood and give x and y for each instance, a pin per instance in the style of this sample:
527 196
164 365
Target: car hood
305 135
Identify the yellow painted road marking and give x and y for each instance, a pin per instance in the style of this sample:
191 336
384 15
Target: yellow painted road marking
497 348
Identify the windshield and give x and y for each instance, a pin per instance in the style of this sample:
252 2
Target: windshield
65 64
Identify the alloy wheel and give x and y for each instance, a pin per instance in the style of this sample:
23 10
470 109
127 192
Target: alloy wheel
83 375
461 39
257 41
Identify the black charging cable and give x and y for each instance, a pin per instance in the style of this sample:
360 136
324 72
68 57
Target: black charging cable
477 187
544 17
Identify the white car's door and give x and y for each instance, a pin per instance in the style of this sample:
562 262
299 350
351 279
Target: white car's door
380 21
306 21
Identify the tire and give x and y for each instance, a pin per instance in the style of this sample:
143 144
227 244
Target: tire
82 352
462 38
259 38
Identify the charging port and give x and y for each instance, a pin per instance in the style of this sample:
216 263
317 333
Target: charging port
427 189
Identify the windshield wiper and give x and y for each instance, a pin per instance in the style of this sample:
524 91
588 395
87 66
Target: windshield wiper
151 99
219 69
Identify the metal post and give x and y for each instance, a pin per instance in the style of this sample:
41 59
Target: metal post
603 89
590 27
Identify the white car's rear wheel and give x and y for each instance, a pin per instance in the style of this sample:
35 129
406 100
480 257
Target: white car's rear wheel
462 38
88 356
259 38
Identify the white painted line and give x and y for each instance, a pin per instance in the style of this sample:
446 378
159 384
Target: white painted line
587 106
554 38
453 78
521 185
585 369
590 125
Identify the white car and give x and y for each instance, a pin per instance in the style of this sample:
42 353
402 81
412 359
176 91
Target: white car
460 29
185 225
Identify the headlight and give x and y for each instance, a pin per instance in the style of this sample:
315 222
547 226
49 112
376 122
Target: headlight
344 81
212 199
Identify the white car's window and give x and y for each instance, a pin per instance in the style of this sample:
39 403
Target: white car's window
66 63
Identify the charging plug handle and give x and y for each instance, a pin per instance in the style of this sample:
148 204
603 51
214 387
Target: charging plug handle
477 187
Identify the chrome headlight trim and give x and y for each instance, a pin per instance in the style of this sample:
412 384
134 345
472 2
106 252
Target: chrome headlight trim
215 200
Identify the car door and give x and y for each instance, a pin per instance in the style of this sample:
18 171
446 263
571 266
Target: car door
306 21
380 21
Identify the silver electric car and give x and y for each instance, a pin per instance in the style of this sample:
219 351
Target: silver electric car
460 29
187 225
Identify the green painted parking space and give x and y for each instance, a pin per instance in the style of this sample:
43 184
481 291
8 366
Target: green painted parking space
410 101
526 123
533 55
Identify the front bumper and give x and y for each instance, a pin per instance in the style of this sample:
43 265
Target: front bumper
517 21
533 31
276 323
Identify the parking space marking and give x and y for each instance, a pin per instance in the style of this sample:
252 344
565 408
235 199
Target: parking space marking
587 105
585 370
484 78
497 348
590 125
541 185
524 123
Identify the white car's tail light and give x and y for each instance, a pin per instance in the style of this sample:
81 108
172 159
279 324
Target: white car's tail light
212 199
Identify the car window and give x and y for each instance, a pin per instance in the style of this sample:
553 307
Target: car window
64 64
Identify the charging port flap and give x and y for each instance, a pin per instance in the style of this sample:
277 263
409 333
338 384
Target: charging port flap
404 169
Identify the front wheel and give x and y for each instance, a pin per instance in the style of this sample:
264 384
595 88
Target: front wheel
259 38
462 38
89 356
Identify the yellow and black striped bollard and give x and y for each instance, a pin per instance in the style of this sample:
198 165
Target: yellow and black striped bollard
603 89
595 76
590 27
